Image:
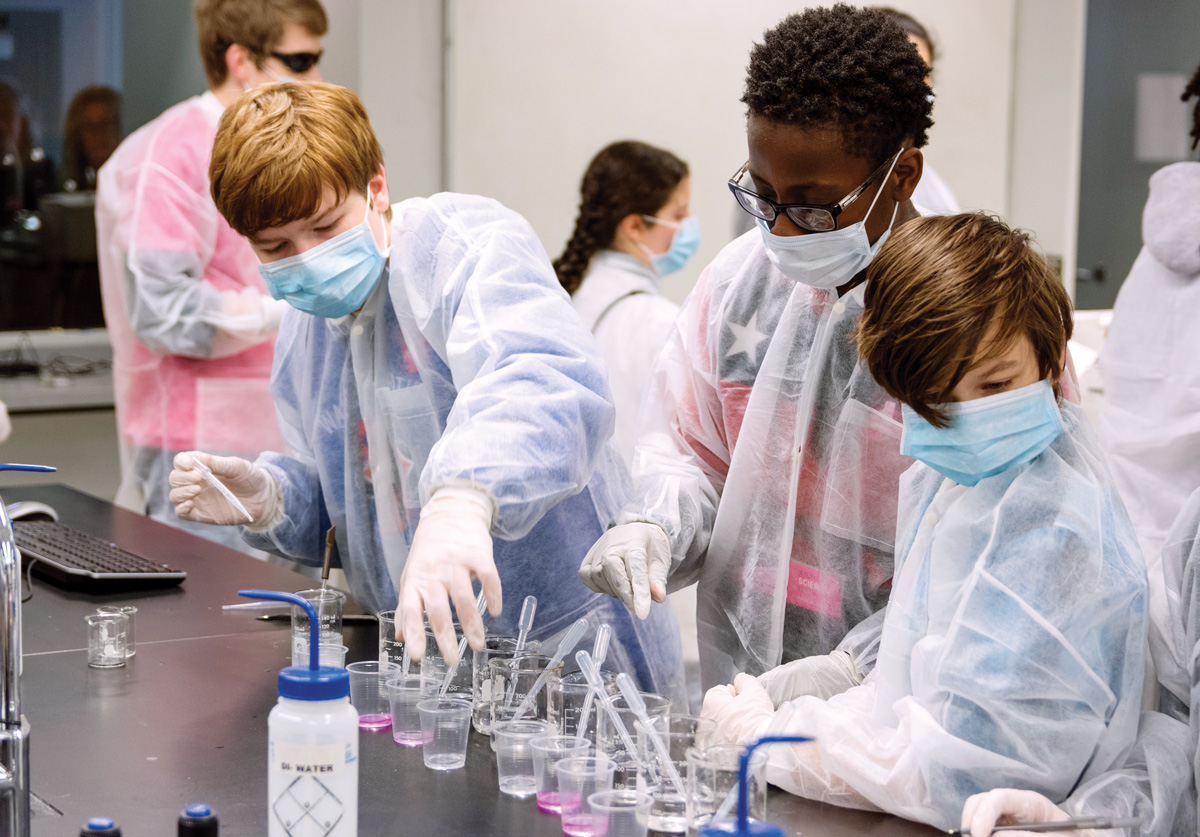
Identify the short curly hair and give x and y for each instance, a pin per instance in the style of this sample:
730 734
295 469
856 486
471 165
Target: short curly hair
847 68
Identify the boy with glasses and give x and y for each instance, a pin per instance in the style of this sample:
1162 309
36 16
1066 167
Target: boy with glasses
769 458
191 323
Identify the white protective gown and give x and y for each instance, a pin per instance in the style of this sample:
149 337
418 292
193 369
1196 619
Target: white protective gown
1012 651
1151 363
620 303
465 366
189 317
771 458
933 195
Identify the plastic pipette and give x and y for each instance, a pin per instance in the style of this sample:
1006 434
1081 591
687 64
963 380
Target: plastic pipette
588 666
528 611
630 692
480 606
229 496
599 652
574 634
1098 823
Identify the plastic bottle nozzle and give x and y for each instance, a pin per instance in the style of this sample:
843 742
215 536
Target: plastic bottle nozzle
314 625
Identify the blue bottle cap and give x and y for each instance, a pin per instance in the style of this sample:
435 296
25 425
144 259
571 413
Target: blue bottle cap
198 811
316 682
101 823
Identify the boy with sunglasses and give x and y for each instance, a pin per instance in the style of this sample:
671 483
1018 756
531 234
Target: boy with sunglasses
769 458
191 323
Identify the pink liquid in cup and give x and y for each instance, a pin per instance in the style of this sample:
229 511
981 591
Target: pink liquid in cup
407 739
547 802
577 825
375 723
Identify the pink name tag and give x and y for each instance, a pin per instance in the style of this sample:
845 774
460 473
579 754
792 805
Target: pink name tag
813 590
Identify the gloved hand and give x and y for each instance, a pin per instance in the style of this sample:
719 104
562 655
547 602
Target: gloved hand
823 676
741 710
1006 806
452 546
630 562
195 499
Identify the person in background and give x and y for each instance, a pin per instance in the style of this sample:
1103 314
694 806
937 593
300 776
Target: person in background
1012 648
1158 781
442 405
768 459
92 134
633 228
1150 362
191 323
933 195
26 172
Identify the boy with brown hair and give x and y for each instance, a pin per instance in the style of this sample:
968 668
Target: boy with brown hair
1013 643
190 321
443 406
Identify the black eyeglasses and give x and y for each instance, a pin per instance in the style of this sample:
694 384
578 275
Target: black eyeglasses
298 62
806 216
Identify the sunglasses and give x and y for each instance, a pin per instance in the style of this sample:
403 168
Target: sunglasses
298 62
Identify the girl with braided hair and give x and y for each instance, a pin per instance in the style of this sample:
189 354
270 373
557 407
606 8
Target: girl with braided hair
633 228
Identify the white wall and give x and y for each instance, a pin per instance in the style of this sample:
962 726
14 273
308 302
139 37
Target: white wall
540 85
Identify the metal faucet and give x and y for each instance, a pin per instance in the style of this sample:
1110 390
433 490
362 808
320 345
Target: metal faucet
14 729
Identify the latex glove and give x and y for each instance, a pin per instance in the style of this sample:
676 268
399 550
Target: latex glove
5 424
250 315
1006 806
452 546
195 499
741 711
630 562
822 676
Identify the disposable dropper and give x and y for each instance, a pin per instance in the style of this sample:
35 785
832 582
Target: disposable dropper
480 607
629 691
592 673
528 611
573 635
599 652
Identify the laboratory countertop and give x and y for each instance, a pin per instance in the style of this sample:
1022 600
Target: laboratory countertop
185 720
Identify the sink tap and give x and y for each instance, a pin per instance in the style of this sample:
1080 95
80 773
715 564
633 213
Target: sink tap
14 729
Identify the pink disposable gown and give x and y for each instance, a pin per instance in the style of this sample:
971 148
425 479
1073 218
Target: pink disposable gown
191 325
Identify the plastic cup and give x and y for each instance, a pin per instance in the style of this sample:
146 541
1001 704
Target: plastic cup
620 813
514 756
433 665
390 651
332 655
565 701
107 637
609 742
680 733
368 693
445 725
578 778
328 604
404 693
712 775
130 611
548 750
482 685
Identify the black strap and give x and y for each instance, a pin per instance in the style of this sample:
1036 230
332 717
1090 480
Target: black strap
611 306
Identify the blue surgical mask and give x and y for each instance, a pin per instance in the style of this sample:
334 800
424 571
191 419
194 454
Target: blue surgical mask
683 244
986 436
332 279
829 259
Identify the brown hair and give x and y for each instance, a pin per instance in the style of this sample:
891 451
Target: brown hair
255 24
75 162
280 146
935 289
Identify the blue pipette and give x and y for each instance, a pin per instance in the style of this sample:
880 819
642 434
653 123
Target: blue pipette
599 652
573 635
480 607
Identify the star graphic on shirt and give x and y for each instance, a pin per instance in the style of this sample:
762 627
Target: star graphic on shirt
746 338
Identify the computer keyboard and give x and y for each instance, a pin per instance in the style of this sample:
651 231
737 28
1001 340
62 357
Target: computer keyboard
74 559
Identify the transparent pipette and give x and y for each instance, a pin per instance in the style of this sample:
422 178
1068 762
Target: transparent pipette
573 635
599 652
592 673
480 606
528 611
629 691
229 496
